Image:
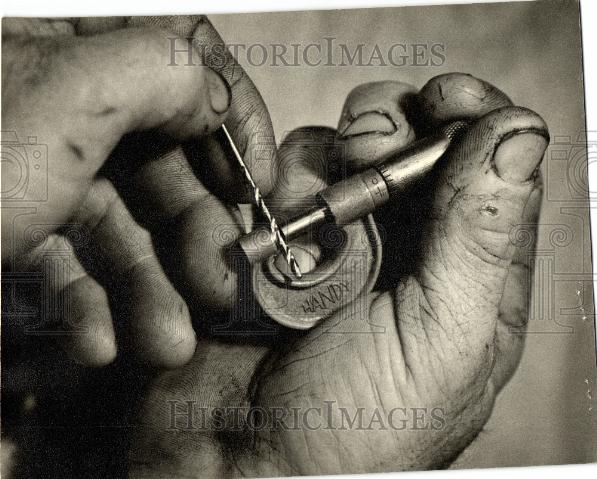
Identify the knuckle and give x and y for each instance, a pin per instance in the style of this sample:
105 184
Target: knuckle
502 121
451 94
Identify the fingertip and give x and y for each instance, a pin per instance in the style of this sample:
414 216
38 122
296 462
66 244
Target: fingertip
91 340
94 345
516 138
511 139
206 111
518 156
162 334
94 352
309 159
374 122
454 96
493 170
179 345
173 352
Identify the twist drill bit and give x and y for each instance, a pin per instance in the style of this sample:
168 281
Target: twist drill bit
277 234
361 194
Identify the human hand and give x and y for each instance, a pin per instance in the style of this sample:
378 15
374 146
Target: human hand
79 86
437 340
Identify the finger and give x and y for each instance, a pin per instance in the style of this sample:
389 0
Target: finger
480 196
514 305
97 89
195 221
374 122
84 323
62 26
309 159
444 98
201 236
458 96
378 119
160 184
121 253
95 111
192 228
248 121
182 25
190 224
95 25
159 87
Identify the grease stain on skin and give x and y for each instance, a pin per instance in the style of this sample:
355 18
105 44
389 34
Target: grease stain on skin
76 150
490 210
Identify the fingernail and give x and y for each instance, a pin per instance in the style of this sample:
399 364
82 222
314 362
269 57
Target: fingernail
518 156
369 122
220 94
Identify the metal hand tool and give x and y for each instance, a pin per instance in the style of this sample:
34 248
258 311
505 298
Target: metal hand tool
278 237
349 265
358 195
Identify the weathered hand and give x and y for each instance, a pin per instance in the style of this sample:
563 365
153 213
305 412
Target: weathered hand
79 86
438 346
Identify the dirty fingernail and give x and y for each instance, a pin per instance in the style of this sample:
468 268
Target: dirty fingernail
366 123
518 156
220 94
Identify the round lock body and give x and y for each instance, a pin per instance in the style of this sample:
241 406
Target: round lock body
348 268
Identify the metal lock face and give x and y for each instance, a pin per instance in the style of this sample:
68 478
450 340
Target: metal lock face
348 268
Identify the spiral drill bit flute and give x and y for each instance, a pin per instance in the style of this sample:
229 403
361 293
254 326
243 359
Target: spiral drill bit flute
360 194
276 233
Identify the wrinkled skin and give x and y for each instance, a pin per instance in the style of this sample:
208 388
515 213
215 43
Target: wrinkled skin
440 326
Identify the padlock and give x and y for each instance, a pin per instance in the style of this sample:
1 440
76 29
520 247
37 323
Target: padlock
348 269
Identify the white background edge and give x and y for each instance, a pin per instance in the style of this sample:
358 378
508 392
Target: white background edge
67 8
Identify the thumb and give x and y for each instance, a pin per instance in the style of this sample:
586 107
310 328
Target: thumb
480 196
